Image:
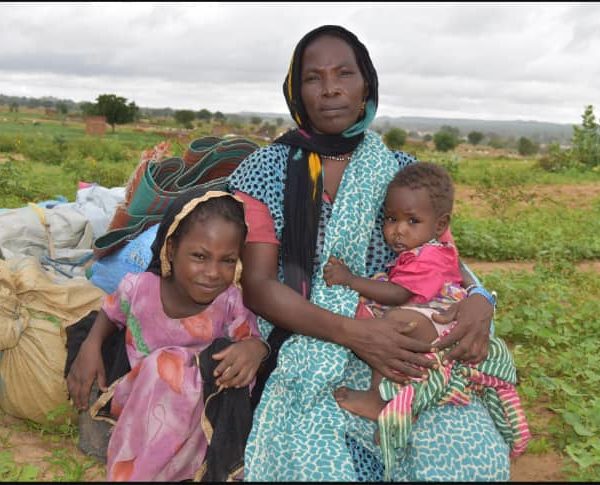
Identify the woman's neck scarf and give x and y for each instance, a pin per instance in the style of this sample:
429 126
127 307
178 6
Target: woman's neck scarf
304 185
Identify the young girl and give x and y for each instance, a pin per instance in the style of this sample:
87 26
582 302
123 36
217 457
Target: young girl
172 312
425 278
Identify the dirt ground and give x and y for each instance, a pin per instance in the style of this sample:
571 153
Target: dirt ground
30 447
33 448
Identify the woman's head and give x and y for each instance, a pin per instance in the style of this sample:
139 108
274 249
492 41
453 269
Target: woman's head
331 87
199 242
418 206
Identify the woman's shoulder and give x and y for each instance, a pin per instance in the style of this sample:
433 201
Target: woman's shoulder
261 172
403 158
274 153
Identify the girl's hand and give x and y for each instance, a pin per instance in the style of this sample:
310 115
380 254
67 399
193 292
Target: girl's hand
472 331
87 366
335 272
239 362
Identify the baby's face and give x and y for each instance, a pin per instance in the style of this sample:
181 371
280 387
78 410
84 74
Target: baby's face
409 218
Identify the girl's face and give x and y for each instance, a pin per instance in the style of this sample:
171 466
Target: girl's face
333 87
410 219
204 259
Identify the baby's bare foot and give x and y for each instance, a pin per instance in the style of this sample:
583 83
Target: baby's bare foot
367 404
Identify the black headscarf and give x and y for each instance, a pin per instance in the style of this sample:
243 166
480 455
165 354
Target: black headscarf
303 186
168 219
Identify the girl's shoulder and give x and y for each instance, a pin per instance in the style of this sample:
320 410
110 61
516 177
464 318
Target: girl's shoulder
133 282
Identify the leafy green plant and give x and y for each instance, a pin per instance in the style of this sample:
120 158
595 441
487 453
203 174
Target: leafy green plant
554 344
13 472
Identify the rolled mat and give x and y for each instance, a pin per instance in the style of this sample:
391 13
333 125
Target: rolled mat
207 162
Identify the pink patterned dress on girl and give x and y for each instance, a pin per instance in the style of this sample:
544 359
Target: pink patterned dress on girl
158 404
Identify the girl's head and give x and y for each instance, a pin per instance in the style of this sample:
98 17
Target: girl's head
198 243
418 206
331 84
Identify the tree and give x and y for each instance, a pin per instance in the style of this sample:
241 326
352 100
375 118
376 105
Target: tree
185 117
115 109
218 116
527 147
279 122
62 109
204 115
395 138
475 137
446 138
586 139
14 107
88 109
256 120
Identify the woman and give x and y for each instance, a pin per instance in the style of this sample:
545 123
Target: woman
318 191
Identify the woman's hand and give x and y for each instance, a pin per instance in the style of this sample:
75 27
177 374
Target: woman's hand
383 345
335 272
87 366
239 362
472 331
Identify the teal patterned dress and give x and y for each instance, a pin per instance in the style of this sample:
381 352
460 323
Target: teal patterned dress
299 432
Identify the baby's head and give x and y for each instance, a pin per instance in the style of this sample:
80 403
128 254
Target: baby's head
418 206
199 243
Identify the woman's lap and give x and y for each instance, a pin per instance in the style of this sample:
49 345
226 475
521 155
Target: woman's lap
447 443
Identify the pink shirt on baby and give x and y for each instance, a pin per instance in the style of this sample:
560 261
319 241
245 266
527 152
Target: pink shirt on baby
427 270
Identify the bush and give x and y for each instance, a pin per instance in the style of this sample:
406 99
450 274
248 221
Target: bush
475 137
557 160
527 147
445 141
395 138
586 140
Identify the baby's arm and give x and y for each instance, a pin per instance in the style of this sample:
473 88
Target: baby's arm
336 272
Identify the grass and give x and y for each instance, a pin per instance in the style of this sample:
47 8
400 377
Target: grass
554 342
548 316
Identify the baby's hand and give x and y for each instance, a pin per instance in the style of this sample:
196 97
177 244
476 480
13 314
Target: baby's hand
239 362
335 272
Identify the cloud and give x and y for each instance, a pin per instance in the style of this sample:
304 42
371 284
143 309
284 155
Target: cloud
523 60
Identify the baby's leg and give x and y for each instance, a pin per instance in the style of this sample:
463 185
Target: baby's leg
424 329
369 404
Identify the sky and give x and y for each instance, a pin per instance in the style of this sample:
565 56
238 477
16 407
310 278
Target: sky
494 61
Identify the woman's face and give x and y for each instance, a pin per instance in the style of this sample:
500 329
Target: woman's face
333 88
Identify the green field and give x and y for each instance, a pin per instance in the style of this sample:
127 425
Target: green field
507 210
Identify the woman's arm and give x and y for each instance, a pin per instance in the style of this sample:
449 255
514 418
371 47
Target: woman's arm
474 315
379 342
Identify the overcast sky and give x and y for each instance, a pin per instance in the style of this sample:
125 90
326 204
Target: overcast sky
504 61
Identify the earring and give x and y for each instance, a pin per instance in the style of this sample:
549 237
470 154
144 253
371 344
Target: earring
362 108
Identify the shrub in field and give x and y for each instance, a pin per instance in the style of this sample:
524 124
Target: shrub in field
586 140
527 147
105 173
395 138
554 343
557 160
446 139
15 185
